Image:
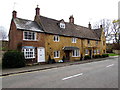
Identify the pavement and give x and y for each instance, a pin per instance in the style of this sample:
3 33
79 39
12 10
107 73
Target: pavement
10 71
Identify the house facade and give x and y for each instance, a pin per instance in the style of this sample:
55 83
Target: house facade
45 37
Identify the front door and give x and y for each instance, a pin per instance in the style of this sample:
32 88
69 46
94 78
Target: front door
41 54
67 56
90 51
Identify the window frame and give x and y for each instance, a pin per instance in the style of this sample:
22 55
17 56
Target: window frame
27 53
74 40
88 41
95 51
98 51
56 54
62 25
56 38
76 53
97 42
86 50
35 35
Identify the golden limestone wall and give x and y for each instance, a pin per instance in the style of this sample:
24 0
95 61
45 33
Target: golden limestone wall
52 46
103 43
82 44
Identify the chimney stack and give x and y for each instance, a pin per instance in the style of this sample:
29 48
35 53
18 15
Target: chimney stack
37 11
89 25
71 19
101 26
14 14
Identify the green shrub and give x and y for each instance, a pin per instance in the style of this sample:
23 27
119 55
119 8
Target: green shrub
87 57
13 59
97 56
105 55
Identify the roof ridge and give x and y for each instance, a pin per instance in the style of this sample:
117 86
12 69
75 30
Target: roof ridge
49 18
24 19
65 22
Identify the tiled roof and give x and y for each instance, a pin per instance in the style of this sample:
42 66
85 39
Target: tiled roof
24 24
98 32
52 26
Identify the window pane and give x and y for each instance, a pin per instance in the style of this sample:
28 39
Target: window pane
29 35
57 54
29 53
54 54
73 53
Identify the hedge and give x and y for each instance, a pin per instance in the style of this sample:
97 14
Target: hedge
105 55
13 59
87 57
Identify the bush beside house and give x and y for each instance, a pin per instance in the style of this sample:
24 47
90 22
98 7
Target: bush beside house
13 59
87 57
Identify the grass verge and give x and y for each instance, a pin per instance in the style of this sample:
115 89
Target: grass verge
112 54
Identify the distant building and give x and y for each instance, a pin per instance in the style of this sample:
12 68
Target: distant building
46 37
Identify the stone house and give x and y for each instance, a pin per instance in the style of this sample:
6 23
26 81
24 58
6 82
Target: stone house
44 37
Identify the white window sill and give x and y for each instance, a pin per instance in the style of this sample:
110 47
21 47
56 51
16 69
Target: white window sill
73 42
56 41
75 56
29 40
56 57
30 58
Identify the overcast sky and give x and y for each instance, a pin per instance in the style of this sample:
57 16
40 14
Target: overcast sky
82 10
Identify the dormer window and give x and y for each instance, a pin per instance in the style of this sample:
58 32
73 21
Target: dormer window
62 25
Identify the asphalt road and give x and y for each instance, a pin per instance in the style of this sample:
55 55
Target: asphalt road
101 74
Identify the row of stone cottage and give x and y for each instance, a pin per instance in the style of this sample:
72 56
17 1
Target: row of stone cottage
44 37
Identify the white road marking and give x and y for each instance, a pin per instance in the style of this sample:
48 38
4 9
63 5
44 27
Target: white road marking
110 65
72 76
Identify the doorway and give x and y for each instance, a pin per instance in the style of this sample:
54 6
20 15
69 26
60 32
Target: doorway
90 53
67 56
41 54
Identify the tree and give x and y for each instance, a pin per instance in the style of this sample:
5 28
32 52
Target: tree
111 29
3 33
115 29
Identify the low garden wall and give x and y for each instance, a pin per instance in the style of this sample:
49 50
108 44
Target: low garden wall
116 51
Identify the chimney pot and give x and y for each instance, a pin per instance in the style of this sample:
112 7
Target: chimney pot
71 19
89 25
37 11
14 14
100 26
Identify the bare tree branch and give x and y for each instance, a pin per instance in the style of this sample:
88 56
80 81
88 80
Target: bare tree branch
3 33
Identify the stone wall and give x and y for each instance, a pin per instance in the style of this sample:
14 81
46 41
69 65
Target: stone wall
116 51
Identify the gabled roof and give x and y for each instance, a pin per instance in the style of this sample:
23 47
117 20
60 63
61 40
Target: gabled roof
24 24
98 32
51 26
